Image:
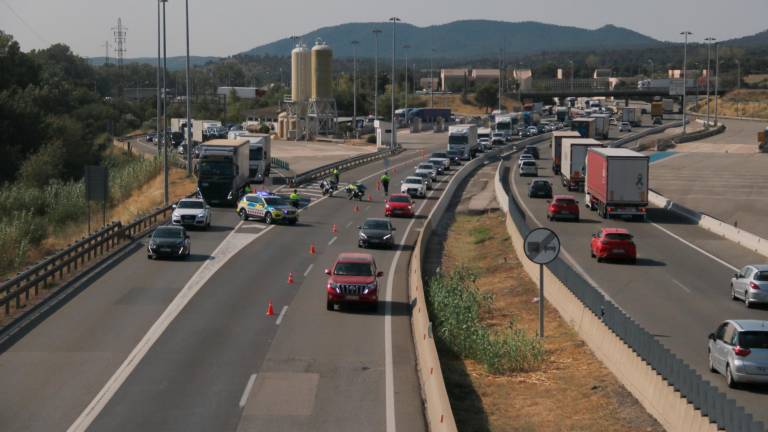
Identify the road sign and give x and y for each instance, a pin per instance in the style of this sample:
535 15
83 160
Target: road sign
542 246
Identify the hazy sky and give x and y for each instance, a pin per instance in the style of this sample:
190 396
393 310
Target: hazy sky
226 27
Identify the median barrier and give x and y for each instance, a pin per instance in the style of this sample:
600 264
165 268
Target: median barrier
437 406
636 136
673 392
716 226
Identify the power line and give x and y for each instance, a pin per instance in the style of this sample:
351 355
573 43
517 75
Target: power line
29 27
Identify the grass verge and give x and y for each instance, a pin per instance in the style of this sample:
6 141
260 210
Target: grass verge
567 390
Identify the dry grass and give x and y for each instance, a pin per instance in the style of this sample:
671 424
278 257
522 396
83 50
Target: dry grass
573 391
739 103
454 102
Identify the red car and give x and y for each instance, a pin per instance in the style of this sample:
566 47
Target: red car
613 243
353 280
398 205
563 207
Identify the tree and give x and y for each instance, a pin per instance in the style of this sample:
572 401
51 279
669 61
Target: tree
487 96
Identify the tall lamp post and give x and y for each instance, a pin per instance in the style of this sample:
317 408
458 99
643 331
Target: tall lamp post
376 33
165 112
651 62
571 62
501 53
709 41
717 79
189 103
394 54
431 79
354 86
738 74
405 52
159 108
685 66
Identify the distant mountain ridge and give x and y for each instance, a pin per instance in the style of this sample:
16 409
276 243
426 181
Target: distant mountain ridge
174 63
468 39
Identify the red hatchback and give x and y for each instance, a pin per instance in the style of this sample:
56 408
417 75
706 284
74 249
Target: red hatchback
353 280
563 207
613 243
398 205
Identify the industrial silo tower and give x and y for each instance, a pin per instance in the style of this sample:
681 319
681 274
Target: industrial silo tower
322 106
300 73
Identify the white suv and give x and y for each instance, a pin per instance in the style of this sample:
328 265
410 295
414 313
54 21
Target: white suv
191 212
414 187
528 168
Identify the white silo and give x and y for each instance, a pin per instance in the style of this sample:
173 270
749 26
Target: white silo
322 80
300 73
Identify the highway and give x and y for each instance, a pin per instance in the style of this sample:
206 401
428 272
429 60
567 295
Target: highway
679 289
186 345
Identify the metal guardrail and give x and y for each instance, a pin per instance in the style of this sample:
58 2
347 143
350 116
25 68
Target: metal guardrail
17 290
699 392
343 165
634 137
279 163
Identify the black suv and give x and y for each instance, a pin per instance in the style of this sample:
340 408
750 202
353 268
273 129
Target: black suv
532 150
540 188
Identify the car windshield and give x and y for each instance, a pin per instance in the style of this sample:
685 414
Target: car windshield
400 199
529 163
413 180
566 201
353 269
168 233
274 201
191 205
619 237
541 185
753 339
376 225
425 166
256 154
761 276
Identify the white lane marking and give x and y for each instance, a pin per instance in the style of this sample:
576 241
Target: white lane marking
247 390
349 224
694 246
254 226
309 269
332 240
685 288
282 314
233 243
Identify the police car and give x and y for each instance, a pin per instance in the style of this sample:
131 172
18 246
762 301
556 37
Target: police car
267 207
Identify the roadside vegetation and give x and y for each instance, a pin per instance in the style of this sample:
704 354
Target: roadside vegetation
499 375
738 103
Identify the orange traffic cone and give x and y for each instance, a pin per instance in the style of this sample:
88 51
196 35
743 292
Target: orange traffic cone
356 209
333 229
394 170
290 277
378 185
270 309
370 198
312 250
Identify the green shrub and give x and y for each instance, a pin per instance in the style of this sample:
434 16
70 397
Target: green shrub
480 234
371 139
456 306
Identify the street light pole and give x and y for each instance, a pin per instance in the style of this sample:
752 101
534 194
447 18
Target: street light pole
157 136
394 52
717 78
354 86
651 62
738 74
685 66
500 55
376 33
165 112
571 62
709 70
405 52
189 103
431 79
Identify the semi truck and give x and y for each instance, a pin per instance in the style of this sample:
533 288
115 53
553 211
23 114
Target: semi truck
657 109
585 126
505 123
556 147
463 138
602 125
573 161
222 170
562 114
632 115
617 182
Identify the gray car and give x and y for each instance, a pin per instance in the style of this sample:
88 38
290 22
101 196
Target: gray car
376 232
738 349
750 284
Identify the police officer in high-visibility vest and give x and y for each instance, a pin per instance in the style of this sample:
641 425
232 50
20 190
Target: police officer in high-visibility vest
335 173
294 197
385 182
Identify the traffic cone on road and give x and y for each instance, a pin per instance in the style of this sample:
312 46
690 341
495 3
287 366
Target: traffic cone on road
290 277
270 309
312 250
356 209
370 198
333 229
378 185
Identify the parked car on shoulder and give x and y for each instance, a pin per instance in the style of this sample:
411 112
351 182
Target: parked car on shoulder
738 349
613 243
353 280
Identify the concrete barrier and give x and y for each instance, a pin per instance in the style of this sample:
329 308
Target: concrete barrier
739 236
659 398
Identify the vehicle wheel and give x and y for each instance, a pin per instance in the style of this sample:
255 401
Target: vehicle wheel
599 259
329 305
733 293
268 218
243 215
208 225
149 256
729 378
591 253
576 220
373 307
633 260
747 303
711 363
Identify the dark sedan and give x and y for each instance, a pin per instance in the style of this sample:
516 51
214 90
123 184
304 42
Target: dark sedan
540 188
376 232
169 241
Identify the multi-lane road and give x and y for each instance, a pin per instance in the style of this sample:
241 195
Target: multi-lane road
679 288
186 345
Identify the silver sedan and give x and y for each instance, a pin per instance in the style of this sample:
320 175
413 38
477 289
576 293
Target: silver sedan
738 349
750 284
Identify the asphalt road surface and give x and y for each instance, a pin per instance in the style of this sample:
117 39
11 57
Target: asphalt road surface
186 345
678 290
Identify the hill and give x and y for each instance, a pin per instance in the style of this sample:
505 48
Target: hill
174 63
467 39
755 40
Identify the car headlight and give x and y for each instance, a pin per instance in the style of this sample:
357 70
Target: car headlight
201 215
388 236
363 236
369 287
152 245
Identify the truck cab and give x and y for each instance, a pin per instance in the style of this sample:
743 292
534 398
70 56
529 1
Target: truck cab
222 170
